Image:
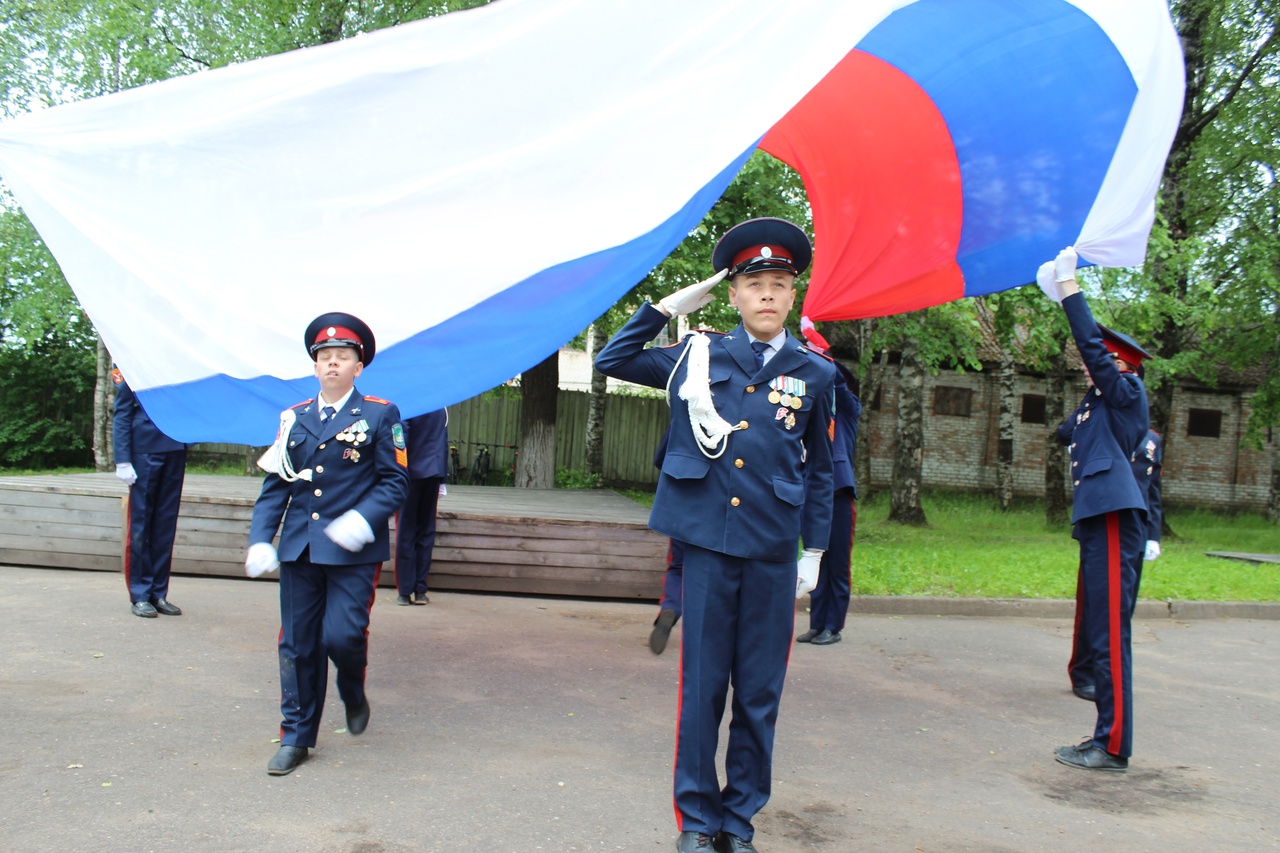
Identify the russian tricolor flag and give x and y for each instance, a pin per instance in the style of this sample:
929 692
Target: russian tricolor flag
479 187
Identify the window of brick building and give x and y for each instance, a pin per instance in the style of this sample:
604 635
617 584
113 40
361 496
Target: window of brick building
1206 423
1033 408
949 400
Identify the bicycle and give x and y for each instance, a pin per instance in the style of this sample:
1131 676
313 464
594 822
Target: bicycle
479 475
453 473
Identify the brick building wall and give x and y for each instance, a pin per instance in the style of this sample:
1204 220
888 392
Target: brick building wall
1205 463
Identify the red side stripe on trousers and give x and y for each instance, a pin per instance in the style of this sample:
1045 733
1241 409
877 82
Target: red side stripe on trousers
1113 617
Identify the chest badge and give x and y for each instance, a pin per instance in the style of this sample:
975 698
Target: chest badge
787 391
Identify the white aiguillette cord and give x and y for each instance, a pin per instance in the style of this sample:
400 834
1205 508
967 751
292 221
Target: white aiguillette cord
709 428
276 460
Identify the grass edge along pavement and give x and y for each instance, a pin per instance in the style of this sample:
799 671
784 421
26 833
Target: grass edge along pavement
971 551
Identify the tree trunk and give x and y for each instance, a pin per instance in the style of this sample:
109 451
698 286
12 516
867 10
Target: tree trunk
908 457
104 399
1273 496
594 439
536 465
1004 454
1055 465
868 389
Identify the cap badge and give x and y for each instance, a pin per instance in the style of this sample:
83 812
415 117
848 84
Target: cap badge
766 252
332 331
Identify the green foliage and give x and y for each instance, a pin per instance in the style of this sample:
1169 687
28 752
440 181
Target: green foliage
571 478
972 549
48 399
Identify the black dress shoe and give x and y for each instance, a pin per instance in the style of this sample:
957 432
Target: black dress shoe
727 842
358 717
166 608
420 597
1089 757
403 601
826 638
694 842
143 609
661 631
286 759
1087 692
807 636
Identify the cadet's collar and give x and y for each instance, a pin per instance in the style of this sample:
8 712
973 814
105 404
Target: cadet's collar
337 405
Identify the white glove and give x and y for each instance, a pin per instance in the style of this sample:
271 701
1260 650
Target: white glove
350 531
1050 286
262 559
1153 550
1064 266
124 470
807 571
691 298
442 491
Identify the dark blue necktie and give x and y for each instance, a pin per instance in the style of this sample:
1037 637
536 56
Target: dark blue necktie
326 413
758 347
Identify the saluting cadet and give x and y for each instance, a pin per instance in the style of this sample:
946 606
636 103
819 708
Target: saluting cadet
1108 511
336 473
746 475
154 466
829 601
427 440
1146 470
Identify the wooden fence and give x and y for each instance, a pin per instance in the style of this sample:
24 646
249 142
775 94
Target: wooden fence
633 427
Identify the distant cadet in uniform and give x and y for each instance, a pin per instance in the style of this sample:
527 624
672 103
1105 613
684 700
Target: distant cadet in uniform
337 472
746 475
1147 463
427 439
671 604
829 601
154 466
1108 510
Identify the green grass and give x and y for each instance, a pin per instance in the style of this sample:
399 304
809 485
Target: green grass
972 550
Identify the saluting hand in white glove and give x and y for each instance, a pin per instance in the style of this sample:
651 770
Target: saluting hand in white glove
1064 266
691 298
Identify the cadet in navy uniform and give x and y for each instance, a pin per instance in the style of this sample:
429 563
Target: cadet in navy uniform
1108 511
1146 470
746 475
426 437
829 601
671 605
154 466
337 472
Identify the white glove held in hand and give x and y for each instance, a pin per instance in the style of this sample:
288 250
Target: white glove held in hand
807 571
1153 550
1050 286
262 559
350 531
124 470
691 298
1064 266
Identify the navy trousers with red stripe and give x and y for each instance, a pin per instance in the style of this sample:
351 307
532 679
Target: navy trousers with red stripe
1111 547
154 500
738 618
324 615
829 601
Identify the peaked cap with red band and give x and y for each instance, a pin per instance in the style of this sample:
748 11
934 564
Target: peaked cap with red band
339 329
1120 344
767 243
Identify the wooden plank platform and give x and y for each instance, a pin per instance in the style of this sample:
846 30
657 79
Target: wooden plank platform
1248 558
493 539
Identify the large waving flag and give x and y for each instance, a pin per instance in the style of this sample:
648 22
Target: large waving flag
479 187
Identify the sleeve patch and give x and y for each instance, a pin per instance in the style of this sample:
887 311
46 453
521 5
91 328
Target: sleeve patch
116 376
397 436
402 458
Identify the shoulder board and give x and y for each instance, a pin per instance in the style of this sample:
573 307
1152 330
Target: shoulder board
707 332
303 403
1157 435
805 348
116 376
369 399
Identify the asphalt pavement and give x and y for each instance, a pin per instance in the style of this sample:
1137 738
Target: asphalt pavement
517 724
